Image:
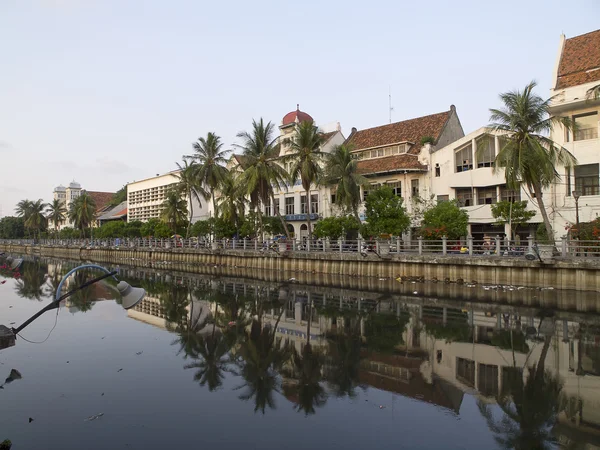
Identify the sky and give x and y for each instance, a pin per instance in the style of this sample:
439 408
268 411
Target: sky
106 92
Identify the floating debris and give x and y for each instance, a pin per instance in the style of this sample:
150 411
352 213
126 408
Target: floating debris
139 353
94 417
119 370
30 419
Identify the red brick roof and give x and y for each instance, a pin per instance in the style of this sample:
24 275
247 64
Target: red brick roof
326 136
412 130
580 56
390 164
102 199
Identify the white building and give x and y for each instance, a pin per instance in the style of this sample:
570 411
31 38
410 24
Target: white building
69 194
145 197
577 70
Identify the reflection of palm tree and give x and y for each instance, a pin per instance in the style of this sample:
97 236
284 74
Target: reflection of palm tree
210 355
343 364
307 388
529 408
261 357
32 281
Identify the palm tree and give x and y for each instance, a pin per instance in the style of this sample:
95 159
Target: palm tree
262 171
57 213
231 200
211 161
306 158
32 281
32 213
211 358
529 156
188 182
82 211
341 171
174 209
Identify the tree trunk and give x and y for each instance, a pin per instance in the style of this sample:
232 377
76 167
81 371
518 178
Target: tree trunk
283 222
539 371
537 190
187 233
214 201
308 216
260 222
309 319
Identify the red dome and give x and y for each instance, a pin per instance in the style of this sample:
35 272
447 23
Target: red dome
291 117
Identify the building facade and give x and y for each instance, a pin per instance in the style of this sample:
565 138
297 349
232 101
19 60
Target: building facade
145 197
67 195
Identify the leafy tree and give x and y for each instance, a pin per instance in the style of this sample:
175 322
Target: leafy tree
112 229
56 213
192 186
210 169
203 228
385 213
12 227
231 201
444 219
32 213
69 233
336 227
174 209
147 228
341 172
133 228
262 170
82 211
512 213
273 226
119 197
306 158
529 156
162 230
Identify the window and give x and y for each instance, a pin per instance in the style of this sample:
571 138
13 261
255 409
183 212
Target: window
509 195
276 209
586 126
365 195
268 209
488 380
373 153
443 198
437 170
333 199
379 152
587 179
402 148
465 371
314 203
464 159
396 188
289 205
464 196
485 152
303 208
487 196
568 180
389 150
414 185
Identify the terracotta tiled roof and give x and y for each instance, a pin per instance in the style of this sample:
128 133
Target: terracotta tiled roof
326 136
412 130
390 164
580 60
102 199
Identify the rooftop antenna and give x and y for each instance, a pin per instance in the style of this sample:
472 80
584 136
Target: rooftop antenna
391 108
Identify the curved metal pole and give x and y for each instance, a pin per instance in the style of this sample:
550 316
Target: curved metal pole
72 271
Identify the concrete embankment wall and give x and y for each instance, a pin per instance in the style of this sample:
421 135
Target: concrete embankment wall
580 274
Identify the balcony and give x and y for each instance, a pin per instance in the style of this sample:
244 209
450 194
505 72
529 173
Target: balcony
585 134
299 217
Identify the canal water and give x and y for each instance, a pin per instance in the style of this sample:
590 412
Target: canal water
225 361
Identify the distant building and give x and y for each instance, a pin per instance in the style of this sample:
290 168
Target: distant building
145 197
67 195
115 213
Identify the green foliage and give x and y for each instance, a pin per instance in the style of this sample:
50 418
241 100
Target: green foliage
56 212
385 213
427 140
32 213
113 229
586 231
219 228
444 218
502 339
174 209
12 227
273 226
133 229
202 228
69 233
155 228
162 230
451 332
541 234
336 227
384 331
82 211
119 197
514 213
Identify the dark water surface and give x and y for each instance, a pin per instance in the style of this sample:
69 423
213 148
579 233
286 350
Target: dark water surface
209 360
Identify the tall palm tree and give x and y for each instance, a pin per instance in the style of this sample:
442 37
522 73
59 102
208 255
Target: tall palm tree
306 158
341 171
189 183
57 213
32 213
529 156
263 172
211 161
231 201
174 209
82 211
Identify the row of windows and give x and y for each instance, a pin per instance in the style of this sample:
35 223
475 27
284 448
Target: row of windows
484 195
384 151
290 205
485 155
396 188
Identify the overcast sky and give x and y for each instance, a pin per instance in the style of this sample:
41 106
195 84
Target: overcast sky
110 91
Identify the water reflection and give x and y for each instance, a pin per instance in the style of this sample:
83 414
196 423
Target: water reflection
533 371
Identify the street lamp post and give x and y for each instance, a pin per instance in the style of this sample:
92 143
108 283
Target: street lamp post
130 296
576 195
